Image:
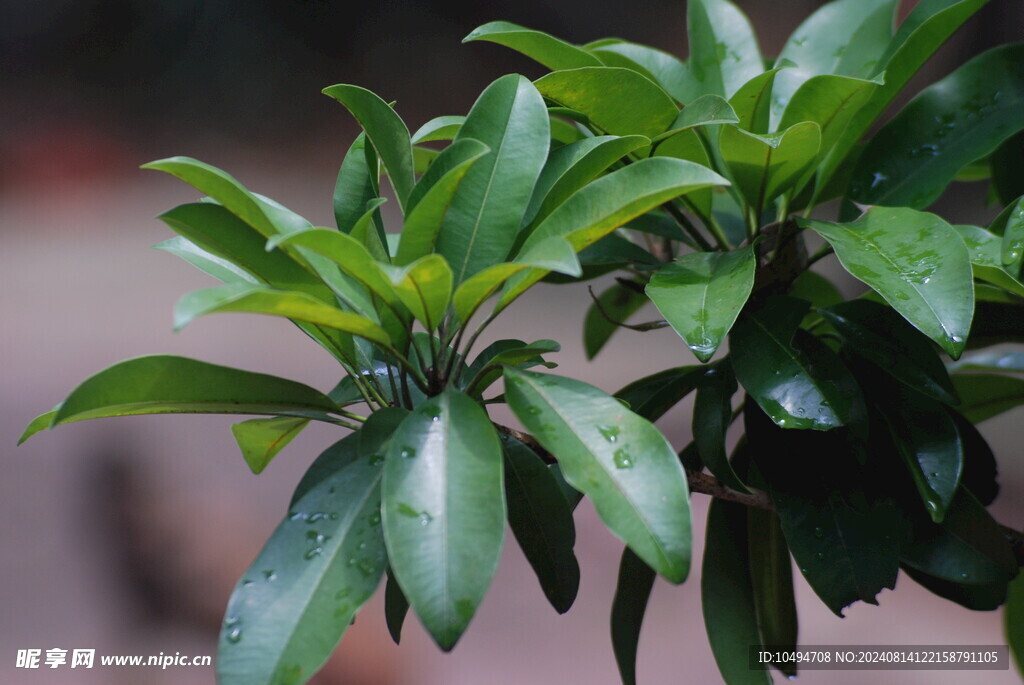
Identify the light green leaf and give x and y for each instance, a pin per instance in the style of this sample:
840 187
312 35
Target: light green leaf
636 579
917 262
752 102
40 423
612 307
985 249
829 101
444 511
541 519
438 128
702 293
617 101
723 48
319 567
261 439
425 286
615 457
664 69
764 167
984 395
357 184
953 122
244 297
385 129
707 110
552 52
455 156
480 226
207 262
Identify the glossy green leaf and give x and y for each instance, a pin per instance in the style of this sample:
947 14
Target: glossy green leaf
609 202
1011 221
433 196
1006 166
985 250
884 338
617 101
771 577
968 547
1004 361
727 596
572 166
983 597
930 444
616 458
552 52
723 48
444 511
953 122
261 439
764 167
636 579
707 110
485 214
798 382
701 294
612 307
40 423
385 129
916 261
661 67
357 184
712 414
541 519
396 607
984 395
438 128
688 145
207 262
487 367
317 569
425 286
816 289
653 395
752 102
926 28
246 297
981 473
1013 620
164 384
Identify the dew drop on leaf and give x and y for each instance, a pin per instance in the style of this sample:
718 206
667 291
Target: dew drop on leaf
622 459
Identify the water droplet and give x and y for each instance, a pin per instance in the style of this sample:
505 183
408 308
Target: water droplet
819 532
533 410
782 423
435 418
362 545
342 611
333 516
800 411
425 518
820 555
610 433
313 553
934 474
376 459
365 567
956 339
965 575
296 516
375 519
331 490
803 570
408 452
269 576
234 636
878 178
932 505
232 621
343 593
248 583
622 459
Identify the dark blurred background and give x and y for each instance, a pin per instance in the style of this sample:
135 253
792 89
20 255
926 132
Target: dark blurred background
127 535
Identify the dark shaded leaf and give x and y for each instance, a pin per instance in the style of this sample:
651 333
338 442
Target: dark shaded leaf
613 306
653 395
636 579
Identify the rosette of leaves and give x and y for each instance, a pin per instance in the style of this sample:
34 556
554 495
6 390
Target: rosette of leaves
857 454
421 486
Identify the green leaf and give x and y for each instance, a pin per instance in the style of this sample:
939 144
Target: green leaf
164 384
1013 236
727 595
481 224
425 286
798 382
1013 618
712 415
541 519
688 145
444 511
772 581
707 110
953 122
1007 169
829 101
984 395
615 100
723 48
752 102
967 548
701 294
38 424
246 297
501 352
319 567
985 251
552 52
1007 361
636 579
609 202
916 261
664 69
616 458
878 334
432 197
356 185
261 439
764 167
396 607
984 597
816 289
926 28
617 302
385 129
207 262
572 166
438 128
653 395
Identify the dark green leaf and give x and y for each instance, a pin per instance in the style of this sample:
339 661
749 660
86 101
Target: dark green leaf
653 395
552 52
767 166
816 289
261 439
712 415
727 596
984 597
1007 167
356 185
616 458
984 395
541 519
444 511
916 261
953 122
396 607
701 294
772 580
980 470
617 303
723 48
1014 620
985 250
511 352
798 383
636 579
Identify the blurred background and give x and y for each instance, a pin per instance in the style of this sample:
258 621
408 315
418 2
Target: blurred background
127 536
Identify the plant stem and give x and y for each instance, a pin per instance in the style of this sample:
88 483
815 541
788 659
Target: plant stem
688 226
825 251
